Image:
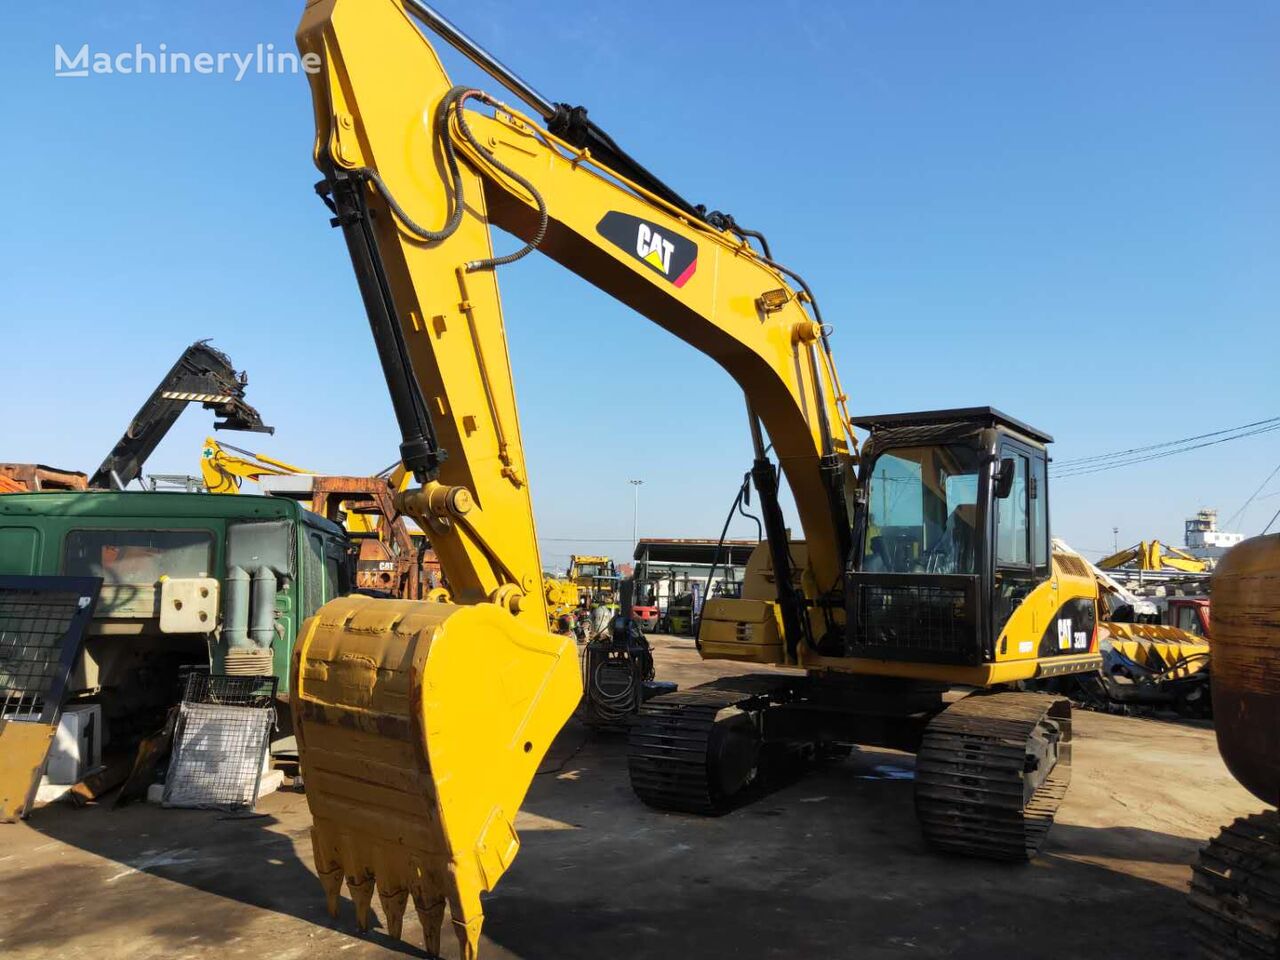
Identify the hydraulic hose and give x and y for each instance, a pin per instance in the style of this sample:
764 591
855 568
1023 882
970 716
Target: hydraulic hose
451 106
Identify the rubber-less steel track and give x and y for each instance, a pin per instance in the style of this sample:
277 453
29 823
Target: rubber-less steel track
693 750
1235 891
991 772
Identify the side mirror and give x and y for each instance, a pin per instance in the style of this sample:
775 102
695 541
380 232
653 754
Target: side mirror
1003 480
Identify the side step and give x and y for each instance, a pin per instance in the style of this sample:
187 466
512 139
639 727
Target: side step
1235 891
991 772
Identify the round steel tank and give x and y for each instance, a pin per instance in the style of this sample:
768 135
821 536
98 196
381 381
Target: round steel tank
1246 664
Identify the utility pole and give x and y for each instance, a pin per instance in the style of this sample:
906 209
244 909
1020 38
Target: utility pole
635 513
1115 539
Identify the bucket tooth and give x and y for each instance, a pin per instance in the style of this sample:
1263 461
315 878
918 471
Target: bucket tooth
328 868
331 881
468 934
361 890
393 904
431 917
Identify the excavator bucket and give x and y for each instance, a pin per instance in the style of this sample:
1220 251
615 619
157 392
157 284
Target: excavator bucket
420 726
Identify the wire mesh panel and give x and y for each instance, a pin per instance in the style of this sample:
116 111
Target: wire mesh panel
204 687
42 624
924 618
224 725
42 621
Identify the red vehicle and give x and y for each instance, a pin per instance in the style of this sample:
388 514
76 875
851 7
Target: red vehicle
644 610
1188 613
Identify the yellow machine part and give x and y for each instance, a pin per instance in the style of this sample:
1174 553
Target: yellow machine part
745 630
420 727
562 597
1154 555
23 748
1156 646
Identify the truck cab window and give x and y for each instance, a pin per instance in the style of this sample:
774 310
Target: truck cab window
138 556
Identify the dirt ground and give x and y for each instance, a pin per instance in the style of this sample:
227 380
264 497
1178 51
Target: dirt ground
832 866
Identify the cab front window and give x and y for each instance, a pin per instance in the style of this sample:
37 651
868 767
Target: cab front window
922 511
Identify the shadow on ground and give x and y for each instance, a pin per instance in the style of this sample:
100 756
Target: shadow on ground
830 866
253 860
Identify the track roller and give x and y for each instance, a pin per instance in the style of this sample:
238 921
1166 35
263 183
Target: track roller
991 772
1235 891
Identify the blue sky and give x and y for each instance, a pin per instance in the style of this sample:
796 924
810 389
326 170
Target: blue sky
1069 211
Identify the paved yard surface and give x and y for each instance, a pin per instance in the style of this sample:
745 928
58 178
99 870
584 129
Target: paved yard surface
831 866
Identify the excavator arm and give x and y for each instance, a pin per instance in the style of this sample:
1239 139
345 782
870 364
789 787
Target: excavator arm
1153 555
202 375
421 724
224 467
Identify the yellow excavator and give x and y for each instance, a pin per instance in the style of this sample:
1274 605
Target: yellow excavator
224 468
1154 555
923 591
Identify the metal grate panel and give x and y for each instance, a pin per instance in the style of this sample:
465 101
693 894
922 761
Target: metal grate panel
42 623
220 745
926 618
1072 565
204 687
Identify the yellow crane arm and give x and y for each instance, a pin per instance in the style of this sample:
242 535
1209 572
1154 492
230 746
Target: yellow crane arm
1154 555
224 471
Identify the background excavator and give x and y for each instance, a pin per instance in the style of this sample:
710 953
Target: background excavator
391 557
923 590
1154 555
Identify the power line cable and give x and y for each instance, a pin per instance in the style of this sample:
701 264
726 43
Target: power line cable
1269 522
1167 443
1085 469
1235 516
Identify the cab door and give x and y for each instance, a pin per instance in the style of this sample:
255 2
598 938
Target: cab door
1021 542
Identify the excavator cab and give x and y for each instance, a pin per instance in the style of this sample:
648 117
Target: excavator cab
951 534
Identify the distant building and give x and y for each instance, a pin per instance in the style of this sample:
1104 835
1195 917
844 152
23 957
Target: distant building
1204 539
669 568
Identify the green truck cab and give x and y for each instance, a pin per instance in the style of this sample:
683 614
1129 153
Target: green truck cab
189 580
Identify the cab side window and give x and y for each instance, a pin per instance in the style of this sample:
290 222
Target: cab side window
1039 514
313 597
1013 526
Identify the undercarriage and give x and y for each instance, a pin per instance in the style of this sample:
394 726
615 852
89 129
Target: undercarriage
991 767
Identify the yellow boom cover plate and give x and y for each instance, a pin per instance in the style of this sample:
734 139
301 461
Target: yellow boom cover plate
420 726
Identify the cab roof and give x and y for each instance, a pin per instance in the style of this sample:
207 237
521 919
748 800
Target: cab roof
978 416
